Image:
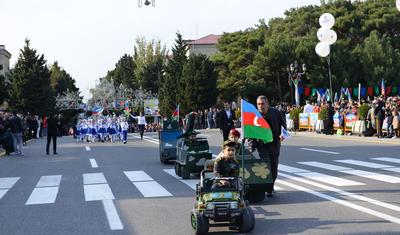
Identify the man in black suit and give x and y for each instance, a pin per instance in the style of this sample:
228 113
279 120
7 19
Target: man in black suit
226 118
52 128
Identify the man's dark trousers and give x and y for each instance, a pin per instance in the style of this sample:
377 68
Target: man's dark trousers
49 137
271 151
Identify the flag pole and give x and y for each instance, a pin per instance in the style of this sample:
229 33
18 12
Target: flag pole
243 140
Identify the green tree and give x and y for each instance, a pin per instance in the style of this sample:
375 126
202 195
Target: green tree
149 58
30 89
3 89
171 91
60 80
200 79
124 73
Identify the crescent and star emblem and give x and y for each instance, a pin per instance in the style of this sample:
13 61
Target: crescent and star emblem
255 121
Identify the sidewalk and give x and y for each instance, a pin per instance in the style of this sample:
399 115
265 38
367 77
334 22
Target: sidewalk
346 137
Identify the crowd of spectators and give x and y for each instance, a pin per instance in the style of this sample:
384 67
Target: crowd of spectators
381 110
17 128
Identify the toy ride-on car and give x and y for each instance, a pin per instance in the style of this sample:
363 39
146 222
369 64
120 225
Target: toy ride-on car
220 200
192 153
168 138
256 175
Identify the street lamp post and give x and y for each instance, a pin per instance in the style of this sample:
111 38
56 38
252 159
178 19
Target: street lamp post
295 74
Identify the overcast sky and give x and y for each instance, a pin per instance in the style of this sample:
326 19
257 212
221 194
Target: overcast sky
87 37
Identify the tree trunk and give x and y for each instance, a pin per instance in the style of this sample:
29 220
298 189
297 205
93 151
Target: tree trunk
279 87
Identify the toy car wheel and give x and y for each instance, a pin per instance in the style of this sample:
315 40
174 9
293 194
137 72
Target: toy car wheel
178 169
247 221
162 158
185 173
200 224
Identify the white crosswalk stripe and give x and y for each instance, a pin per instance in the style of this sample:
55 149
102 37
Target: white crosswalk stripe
351 171
46 190
146 185
191 183
318 176
387 159
6 184
371 165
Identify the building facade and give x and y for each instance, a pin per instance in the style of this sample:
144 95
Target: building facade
206 45
4 61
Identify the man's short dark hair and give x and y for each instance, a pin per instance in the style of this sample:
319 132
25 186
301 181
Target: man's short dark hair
262 97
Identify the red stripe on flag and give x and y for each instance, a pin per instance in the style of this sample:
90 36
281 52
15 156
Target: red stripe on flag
248 119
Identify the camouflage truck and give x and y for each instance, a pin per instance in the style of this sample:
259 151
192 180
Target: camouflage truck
191 151
168 139
192 154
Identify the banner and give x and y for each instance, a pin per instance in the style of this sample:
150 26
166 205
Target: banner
303 120
313 119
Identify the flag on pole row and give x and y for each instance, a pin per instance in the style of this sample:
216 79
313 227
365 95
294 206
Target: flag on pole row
383 88
254 125
175 114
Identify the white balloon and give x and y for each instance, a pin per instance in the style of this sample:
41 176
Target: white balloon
331 37
327 20
398 4
321 33
322 49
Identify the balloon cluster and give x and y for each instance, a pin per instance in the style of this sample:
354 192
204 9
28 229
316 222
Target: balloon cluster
326 35
398 4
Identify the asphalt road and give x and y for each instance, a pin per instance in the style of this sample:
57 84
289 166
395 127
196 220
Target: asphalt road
326 185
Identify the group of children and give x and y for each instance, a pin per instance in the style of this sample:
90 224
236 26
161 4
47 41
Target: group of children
102 129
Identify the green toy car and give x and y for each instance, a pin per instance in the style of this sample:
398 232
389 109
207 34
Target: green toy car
223 205
191 155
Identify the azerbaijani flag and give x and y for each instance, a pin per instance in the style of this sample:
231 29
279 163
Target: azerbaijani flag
175 114
383 88
253 124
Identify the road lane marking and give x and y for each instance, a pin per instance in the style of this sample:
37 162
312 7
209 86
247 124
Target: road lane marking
276 188
325 166
97 192
191 183
112 215
151 189
94 178
351 171
49 181
44 195
320 151
365 164
8 182
136 176
342 202
87 148
329 179
151 141
387 159
93 163
291 169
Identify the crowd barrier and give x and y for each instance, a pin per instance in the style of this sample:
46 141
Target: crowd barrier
310 122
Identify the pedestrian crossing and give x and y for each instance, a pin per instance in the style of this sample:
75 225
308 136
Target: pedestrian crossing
144 184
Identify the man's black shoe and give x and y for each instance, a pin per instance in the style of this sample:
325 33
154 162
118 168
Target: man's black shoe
55 153
47 153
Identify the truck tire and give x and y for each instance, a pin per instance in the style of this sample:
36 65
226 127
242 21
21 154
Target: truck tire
255 196
178 169
200 224
247 221
185 173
